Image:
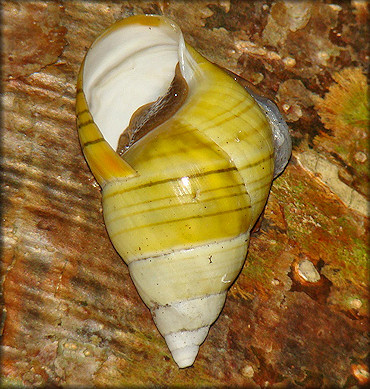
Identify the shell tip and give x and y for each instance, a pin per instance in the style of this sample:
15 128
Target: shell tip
184 345
185 356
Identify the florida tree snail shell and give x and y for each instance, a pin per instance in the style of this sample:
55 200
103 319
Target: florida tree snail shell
185 157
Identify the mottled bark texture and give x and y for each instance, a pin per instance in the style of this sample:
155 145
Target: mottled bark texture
297 315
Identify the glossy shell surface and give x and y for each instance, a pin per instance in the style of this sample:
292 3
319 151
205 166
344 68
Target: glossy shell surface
181 201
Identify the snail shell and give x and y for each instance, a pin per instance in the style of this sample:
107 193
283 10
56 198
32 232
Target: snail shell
185 183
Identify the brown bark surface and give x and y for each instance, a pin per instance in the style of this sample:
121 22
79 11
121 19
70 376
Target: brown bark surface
298 314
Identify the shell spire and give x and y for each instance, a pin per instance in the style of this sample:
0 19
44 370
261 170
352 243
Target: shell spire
191 173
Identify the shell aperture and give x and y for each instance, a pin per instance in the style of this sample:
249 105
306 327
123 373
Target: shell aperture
151 115
191 176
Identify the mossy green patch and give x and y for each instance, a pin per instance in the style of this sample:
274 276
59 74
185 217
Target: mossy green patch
322 226
355 110
256 269
354 263
11 383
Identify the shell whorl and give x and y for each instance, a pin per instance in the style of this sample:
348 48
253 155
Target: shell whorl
180 203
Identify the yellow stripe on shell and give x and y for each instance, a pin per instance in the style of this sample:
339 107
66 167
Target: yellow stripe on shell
229 116
104 162
183 172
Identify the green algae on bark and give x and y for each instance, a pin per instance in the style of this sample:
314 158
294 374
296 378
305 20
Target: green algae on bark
325 229
345 112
